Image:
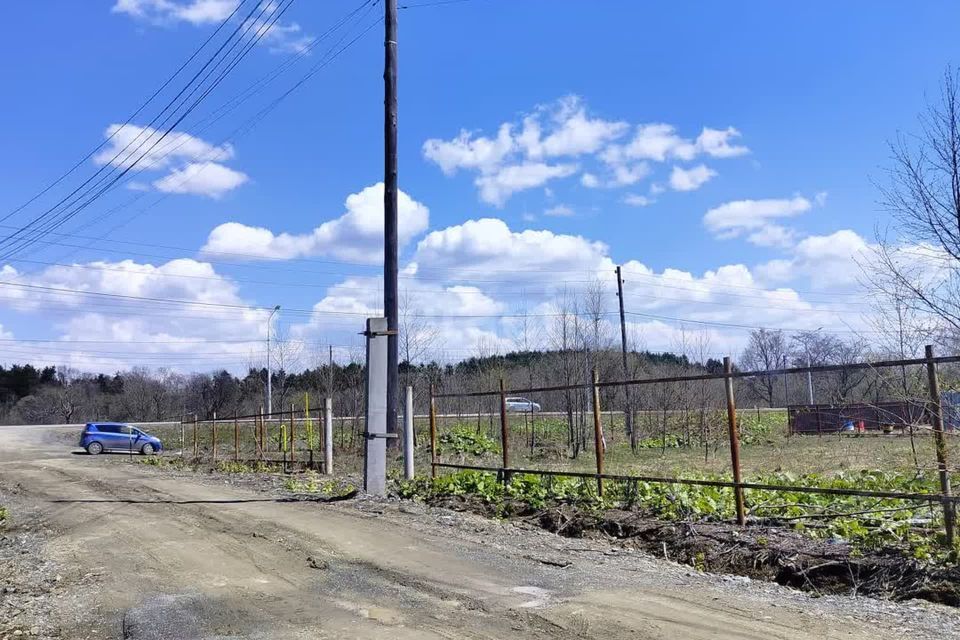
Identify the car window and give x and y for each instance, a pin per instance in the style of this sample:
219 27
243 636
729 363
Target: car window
124 429
107 428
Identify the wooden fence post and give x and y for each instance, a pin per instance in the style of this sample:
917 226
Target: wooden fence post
433 435
504 432
196 447
949 508
182 442
236 439
734 441
213 444
597 432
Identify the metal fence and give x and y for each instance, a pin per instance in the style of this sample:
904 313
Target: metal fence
932 409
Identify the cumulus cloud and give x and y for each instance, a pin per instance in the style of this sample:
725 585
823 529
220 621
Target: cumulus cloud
690 179
825 261
68 301
194 166
637 200
201 178
559 211
555 139
489 244
264 27
196 12
753 217
590 181
356 235
497 187
127 143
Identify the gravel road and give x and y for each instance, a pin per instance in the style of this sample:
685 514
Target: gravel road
115 550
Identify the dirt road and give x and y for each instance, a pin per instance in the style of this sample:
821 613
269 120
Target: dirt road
144 555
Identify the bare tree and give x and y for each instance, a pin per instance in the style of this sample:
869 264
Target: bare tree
766 350
920 266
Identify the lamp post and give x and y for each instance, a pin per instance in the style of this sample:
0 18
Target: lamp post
269 367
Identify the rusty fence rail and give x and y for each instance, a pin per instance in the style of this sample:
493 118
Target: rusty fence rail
729 375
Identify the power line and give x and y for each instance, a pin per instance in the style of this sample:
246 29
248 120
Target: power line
330 56
61 218
129 119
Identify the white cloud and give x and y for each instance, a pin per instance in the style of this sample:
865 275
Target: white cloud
690 179
497 187
467 152
194 166
201 178
196 12
143 332
716 143
732 219
264 26
488 244
573 133
772 235
280 37
636 200
825 261
559 211
127 143
547 143
357 235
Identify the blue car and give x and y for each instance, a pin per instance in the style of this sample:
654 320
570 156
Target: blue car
98 437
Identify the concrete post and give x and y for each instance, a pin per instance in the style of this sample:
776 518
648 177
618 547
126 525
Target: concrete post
408 435
375 434
328 435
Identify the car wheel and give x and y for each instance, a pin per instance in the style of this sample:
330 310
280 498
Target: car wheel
94 448
147 449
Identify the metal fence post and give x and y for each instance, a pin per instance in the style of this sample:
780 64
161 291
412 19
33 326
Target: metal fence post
236 439
433 434
734 440
293 436
949 508
504 432
328 435
258 434
408 435
213 437
597 432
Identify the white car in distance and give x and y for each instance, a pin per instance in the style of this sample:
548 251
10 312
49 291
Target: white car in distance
522 405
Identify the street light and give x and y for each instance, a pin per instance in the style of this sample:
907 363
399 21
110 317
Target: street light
269 368
809 364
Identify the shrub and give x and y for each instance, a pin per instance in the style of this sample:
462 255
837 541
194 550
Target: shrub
463 440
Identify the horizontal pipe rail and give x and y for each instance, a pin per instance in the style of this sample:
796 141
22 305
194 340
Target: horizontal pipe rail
919 497
709 376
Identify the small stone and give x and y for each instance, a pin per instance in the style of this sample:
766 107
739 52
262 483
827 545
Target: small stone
34 631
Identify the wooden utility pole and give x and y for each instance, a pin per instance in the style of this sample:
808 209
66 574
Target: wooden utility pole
734 434
390 247
949 508
628 409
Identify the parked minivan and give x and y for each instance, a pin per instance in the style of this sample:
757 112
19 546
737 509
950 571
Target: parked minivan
98 437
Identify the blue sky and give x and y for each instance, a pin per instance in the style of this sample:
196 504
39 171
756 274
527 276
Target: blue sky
724 153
